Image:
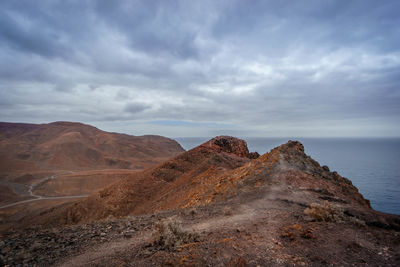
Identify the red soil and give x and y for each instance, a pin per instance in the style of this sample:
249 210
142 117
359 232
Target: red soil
73 146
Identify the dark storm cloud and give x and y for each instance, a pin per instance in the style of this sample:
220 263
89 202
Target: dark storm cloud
149 27
256 67
46 28
135 107
330 23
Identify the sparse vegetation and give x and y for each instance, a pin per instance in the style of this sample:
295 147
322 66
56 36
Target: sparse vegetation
326 212
169 234
227 211
192 211
294 231
330 213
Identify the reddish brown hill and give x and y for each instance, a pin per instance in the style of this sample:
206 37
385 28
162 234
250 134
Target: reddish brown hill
285 169
216 171
166 186
73 146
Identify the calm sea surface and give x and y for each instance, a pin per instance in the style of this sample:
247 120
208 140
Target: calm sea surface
373 165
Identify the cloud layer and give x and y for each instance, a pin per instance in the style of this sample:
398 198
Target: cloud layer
201 68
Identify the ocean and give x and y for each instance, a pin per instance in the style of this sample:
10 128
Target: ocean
372 164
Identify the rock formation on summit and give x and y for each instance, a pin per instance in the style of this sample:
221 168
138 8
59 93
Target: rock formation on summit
228 144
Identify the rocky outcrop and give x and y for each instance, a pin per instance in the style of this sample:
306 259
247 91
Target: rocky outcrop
228 144
301 171
254 155
286 167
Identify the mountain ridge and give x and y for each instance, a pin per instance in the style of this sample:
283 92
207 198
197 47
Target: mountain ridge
216 170
71 145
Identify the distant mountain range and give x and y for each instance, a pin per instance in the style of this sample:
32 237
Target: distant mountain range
76 146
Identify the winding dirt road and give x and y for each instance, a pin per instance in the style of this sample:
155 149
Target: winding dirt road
31 188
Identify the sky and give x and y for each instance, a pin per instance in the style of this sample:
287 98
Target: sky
204 68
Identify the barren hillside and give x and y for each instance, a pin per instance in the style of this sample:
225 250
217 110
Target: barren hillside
41 162
216 205
76 146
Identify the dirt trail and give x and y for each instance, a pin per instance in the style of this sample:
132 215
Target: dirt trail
106 252
41 198
238 219
31 188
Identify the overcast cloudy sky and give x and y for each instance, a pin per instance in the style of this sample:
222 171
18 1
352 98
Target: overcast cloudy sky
203 68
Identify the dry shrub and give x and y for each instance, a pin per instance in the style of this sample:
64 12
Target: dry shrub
192 211
307 234
227 211
294 231
169 234
355 221
237 262
325 212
